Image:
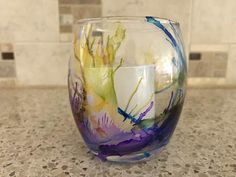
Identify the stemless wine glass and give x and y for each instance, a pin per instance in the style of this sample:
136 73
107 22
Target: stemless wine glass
126 84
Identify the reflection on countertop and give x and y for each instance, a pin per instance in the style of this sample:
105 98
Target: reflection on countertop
38 137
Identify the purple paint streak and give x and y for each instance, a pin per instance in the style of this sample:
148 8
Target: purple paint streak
143 114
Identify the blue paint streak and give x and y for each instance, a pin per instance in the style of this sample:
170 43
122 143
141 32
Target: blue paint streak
181 52
127 116
134 120
146 154
159 25
172 40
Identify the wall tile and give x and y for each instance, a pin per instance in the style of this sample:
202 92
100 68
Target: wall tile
176 10
231 67
42 64
6 52
66 37
211 47
6 47
90 1
220 65
64 9
66 29
219 73
213 21
211 64
8 55
206 82
86 11
7 82
80 1
66 19
7 69
200 69
29 20
69 2
72 10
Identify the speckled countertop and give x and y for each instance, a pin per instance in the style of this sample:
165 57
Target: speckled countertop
38 138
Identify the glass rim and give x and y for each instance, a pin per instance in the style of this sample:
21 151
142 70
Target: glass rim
124 19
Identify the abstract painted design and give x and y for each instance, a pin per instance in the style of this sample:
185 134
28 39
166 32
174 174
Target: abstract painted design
113 123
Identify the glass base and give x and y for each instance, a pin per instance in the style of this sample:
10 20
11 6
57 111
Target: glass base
132 158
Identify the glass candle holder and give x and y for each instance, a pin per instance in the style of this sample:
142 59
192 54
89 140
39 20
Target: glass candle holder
126 85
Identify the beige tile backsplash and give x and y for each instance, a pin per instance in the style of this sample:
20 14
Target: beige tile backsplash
7 69
6 47
29 21
72 10
39 36
231 69
42 63
211 64
213 21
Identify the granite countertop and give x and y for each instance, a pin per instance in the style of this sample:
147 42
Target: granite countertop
38 138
